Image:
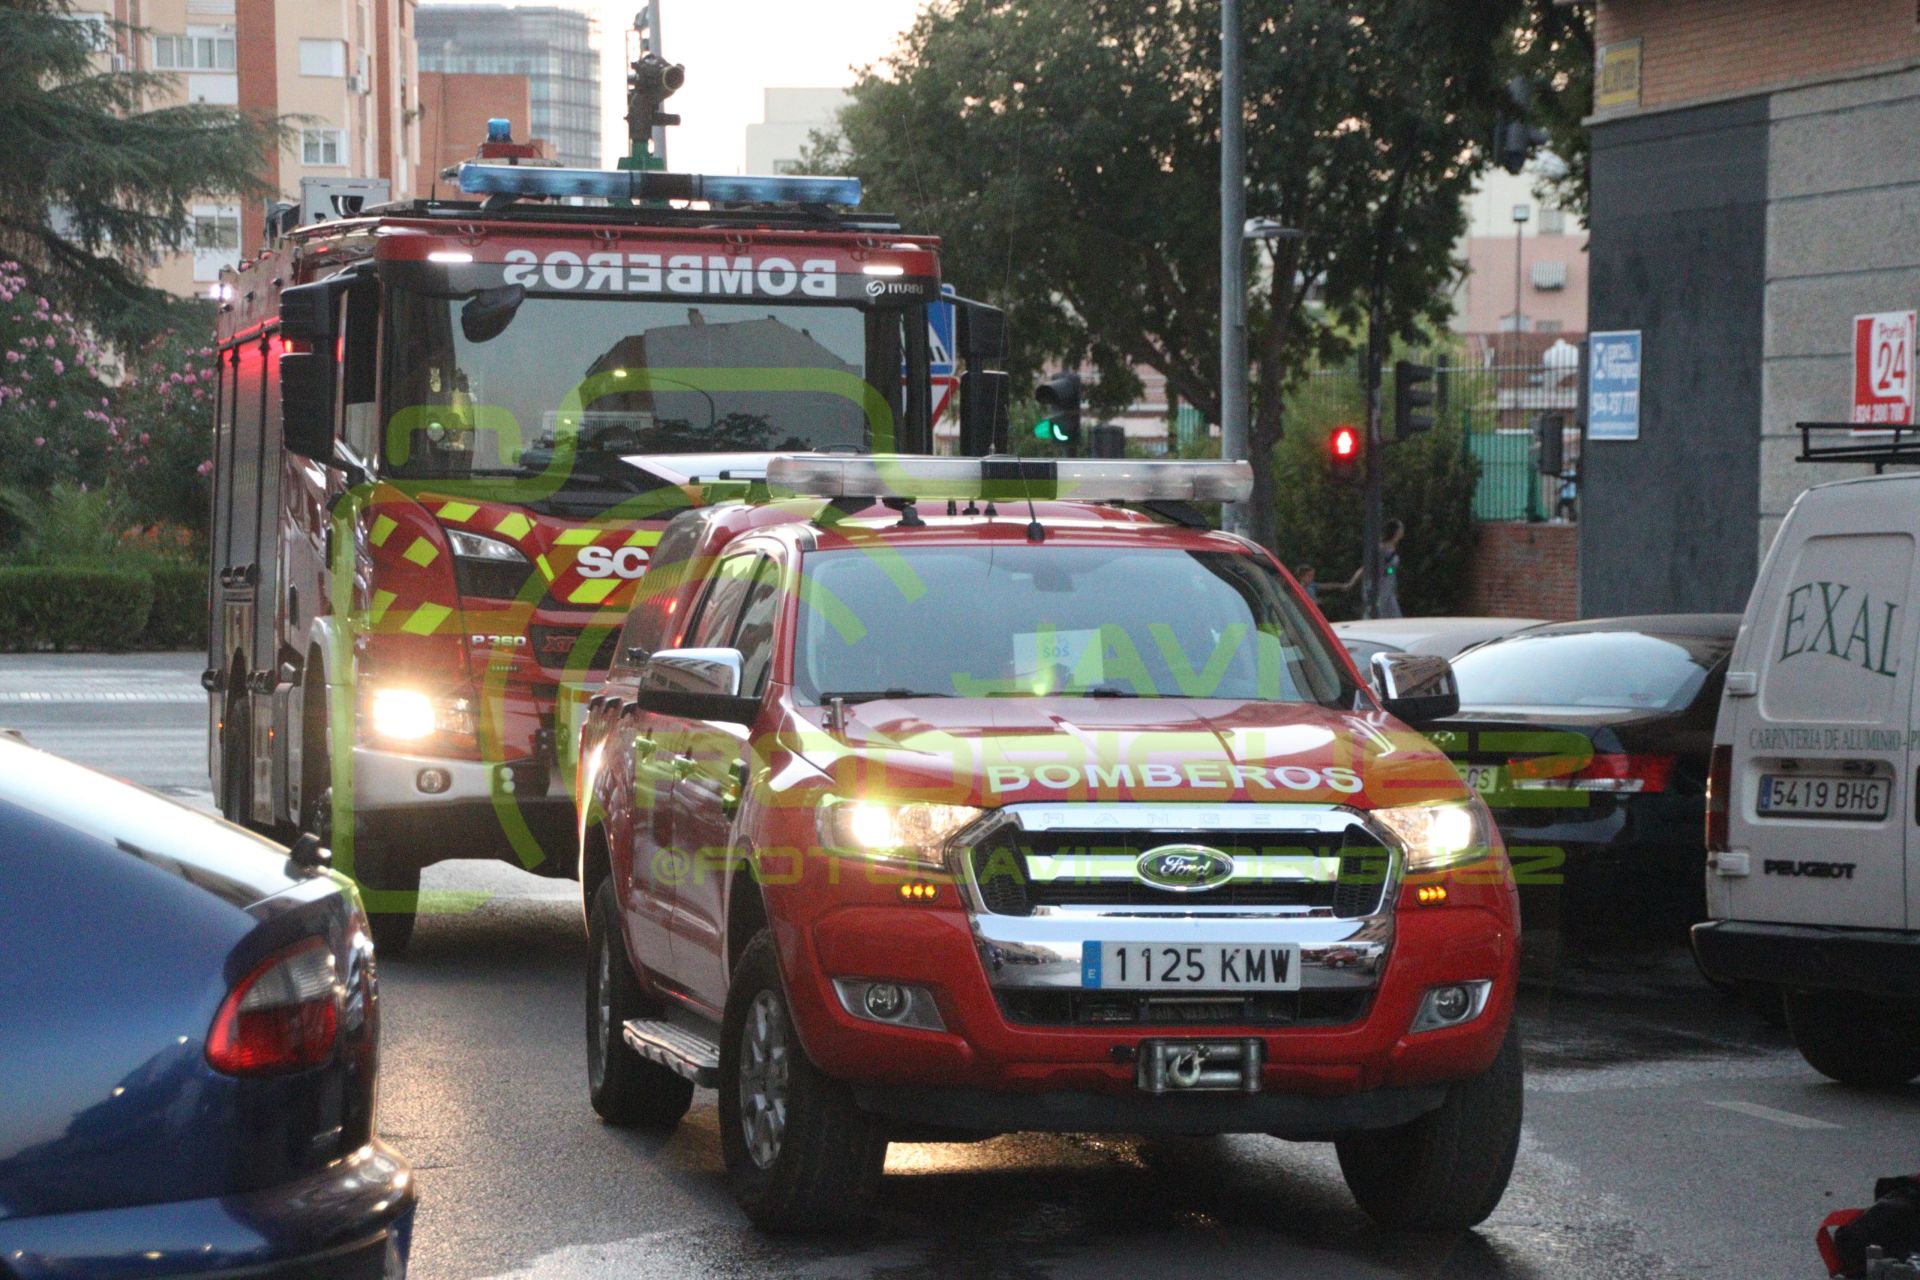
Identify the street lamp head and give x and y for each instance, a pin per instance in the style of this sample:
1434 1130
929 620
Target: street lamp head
1521 212
1270 229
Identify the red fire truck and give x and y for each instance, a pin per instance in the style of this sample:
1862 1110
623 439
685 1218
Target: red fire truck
448 434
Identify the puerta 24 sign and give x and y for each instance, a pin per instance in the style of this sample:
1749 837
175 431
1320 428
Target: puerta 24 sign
1613 385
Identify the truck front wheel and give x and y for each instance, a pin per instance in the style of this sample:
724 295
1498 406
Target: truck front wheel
1447 1170
800 1154
624 1087
1844 1038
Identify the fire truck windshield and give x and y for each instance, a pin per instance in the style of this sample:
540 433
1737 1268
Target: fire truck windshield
496 382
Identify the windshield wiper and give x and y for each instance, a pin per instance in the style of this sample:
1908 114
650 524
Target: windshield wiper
874 695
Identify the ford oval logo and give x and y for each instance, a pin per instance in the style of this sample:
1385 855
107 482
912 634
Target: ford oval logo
1184 868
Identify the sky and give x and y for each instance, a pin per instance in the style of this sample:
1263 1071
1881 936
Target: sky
734 49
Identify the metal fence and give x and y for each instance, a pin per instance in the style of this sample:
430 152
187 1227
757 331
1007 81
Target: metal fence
1500 410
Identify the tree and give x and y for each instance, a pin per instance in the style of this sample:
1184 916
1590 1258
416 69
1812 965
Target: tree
1068 153
93 181
1556 55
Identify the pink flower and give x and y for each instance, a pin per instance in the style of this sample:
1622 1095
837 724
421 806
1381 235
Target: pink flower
53 404
145 438
174 378
59 365
49 342
204 468
13 357
40 442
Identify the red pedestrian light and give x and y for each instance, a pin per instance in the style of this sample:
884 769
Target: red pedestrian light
1343 451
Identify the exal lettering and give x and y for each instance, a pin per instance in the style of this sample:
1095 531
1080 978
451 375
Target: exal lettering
1840 621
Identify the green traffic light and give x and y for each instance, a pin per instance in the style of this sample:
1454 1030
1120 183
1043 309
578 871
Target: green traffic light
1048 429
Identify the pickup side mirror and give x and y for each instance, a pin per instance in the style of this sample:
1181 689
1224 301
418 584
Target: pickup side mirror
1417 688
306 404
697 684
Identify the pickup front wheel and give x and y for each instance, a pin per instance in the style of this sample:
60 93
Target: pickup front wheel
800 1154
1447 1170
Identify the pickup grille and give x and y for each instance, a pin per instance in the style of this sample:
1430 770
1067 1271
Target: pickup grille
1117 1008
1001 869
554 646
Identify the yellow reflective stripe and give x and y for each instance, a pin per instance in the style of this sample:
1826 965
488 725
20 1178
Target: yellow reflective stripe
592 592
546 570
575 537
513 525
458 511
426 619
422 552
383 527
381 601
643 538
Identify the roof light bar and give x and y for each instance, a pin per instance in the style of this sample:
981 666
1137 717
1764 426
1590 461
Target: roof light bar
1081 479
641 184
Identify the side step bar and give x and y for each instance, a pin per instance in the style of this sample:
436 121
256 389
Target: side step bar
685 1053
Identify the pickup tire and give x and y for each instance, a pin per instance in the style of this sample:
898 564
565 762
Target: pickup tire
625 1088
1447 1170
1846 1042
800 1154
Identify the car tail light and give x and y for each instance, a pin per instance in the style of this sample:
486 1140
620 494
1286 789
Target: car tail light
1719 797
282 1016
1627 774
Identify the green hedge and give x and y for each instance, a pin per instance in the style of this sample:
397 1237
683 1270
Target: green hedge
179 617
61 607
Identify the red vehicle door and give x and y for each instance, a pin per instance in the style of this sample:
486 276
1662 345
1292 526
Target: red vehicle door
708 796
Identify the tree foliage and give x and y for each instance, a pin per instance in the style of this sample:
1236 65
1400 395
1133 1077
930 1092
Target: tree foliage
94 179
1068 153
1556 56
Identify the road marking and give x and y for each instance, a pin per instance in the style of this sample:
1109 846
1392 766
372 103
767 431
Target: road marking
1787 1118
35 697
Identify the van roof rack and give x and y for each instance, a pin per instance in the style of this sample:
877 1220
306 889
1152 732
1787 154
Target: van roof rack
1893 444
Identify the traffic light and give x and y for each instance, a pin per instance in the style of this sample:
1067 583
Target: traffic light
1513 138
651 80
1345 455
1059 399
1412 398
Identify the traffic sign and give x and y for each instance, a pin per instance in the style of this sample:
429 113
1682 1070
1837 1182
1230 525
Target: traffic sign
1883 370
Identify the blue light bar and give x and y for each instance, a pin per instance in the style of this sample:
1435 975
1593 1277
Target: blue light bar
641 184
499 129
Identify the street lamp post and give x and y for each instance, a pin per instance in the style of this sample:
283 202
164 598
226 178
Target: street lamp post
1233 285
1521 213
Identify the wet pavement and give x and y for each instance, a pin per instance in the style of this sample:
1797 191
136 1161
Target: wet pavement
1671 1132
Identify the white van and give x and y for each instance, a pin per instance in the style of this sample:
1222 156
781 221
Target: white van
1813 852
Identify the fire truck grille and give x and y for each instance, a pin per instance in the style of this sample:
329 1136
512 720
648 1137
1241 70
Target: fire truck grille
555 647
1002 870
1120 1008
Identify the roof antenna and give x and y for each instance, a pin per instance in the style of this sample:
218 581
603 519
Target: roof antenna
1034 531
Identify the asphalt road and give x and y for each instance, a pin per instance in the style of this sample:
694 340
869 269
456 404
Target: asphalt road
1669 1132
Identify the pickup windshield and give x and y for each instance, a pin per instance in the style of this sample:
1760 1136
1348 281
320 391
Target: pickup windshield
496 382
1039 621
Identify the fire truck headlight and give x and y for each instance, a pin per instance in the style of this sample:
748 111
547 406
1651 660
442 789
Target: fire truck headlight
1439 835
472 546
910 833
405 714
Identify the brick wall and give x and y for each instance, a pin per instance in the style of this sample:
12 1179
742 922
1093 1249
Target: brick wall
1526 571
455 108
1698 50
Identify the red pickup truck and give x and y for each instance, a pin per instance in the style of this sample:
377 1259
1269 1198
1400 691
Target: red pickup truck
939 797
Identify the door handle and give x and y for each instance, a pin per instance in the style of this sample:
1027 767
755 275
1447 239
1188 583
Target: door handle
735 788
680 766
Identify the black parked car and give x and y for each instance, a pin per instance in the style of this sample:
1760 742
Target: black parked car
1590 741
189 1030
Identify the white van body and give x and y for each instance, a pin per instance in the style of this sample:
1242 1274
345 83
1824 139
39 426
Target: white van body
1814 884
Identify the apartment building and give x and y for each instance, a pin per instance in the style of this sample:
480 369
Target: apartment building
346 66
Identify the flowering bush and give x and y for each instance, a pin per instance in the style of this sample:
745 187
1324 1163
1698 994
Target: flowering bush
71 414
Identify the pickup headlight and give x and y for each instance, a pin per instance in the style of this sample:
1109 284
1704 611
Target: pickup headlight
912 833
1439 835
487 566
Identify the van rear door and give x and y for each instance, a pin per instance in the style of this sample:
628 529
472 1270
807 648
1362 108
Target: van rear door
1822 786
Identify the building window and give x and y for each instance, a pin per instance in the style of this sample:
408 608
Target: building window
323 146
216 230
195 51
1553 222
1547 326
323 58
